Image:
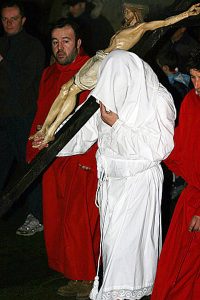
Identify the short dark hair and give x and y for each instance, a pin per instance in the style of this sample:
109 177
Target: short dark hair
194 60
11 3
62 22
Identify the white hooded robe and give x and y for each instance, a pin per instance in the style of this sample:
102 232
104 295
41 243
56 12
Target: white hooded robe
130 176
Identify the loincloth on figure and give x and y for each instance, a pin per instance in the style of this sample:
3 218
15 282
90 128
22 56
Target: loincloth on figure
86 78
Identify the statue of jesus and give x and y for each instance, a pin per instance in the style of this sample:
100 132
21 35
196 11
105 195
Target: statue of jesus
129 35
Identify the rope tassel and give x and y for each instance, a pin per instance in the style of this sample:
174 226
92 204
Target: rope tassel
95 289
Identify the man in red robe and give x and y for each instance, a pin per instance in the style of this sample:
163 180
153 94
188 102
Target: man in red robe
70 217
178 274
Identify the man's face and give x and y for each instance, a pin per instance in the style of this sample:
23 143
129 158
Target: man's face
64 45
129 14
195 77
12 20
77 9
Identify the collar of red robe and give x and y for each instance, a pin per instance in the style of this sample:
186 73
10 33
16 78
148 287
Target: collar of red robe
81 58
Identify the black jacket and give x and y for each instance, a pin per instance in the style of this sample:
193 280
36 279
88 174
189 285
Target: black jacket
20 73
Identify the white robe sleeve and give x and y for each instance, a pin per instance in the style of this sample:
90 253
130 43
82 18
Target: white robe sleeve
154 140
83 140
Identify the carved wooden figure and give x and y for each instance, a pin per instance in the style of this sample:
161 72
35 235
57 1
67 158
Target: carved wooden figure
129 35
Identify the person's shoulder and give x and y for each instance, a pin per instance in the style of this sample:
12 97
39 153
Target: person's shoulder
191 94
181 88
3 39
33 40
189 100
141 24
49 71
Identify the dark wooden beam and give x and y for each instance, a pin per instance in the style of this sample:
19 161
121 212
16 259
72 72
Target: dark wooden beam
47 155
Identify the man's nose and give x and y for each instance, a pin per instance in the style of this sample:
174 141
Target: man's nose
9 21
60 45
197 83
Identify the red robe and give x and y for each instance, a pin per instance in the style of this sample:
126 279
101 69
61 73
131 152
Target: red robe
70 217
178 274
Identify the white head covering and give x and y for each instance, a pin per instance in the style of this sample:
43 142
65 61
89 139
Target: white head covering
127 86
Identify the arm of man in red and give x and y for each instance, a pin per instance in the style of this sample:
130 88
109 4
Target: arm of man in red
185 159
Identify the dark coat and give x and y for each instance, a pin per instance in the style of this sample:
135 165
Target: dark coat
20 73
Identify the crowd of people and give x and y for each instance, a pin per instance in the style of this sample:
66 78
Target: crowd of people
106 184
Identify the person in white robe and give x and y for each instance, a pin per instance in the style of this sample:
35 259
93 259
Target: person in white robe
134 131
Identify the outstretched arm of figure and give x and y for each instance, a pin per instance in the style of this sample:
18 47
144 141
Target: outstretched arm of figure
128 37
63 111
192 11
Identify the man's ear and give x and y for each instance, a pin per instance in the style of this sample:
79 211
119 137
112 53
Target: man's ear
79 42
23 20
165 68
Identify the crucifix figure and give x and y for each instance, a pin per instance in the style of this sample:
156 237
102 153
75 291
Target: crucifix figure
128 36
